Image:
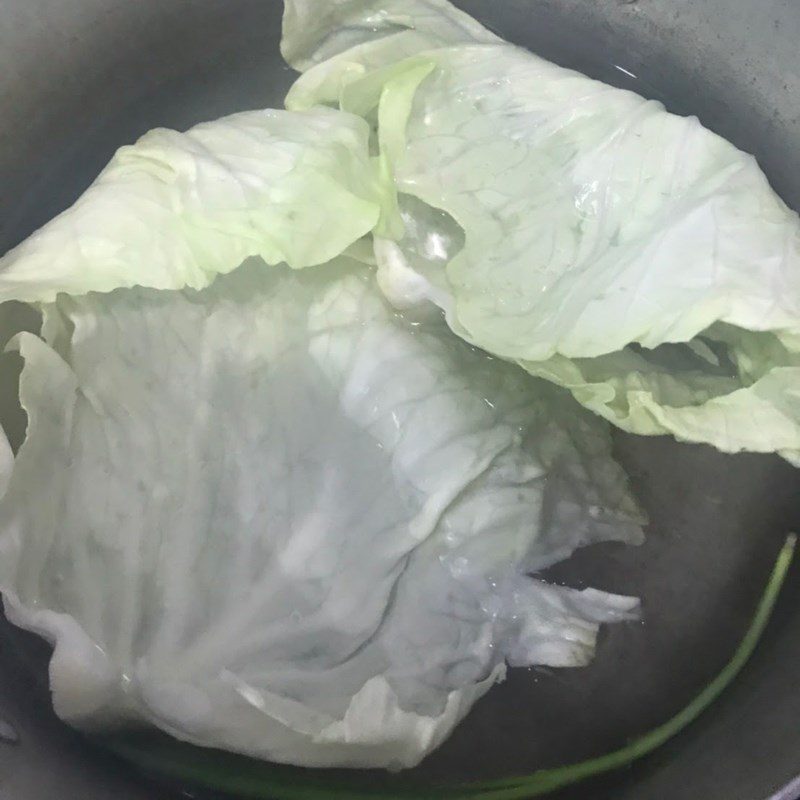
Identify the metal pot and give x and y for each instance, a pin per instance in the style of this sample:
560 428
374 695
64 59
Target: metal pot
79 78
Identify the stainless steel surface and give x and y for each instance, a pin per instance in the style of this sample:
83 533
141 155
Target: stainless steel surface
80 77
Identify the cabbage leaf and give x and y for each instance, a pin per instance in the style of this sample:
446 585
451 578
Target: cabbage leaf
618 250
276 517
175 209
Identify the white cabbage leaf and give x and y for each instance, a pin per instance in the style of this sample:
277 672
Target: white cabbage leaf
315 31
597 228
277 517
175 209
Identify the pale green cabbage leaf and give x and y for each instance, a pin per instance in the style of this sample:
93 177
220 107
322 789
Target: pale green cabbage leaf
276 517
596 227
175 209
